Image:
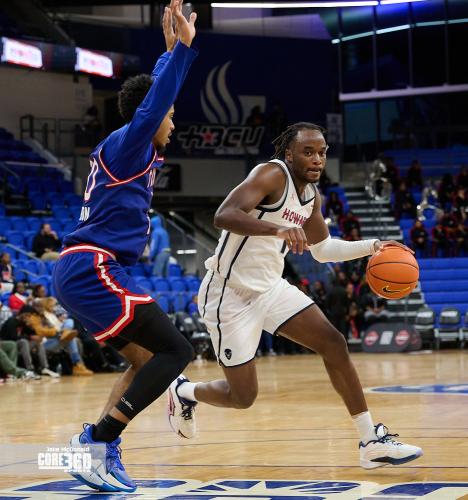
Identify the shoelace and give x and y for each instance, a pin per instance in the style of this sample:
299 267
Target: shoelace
187 411
388 438
114 453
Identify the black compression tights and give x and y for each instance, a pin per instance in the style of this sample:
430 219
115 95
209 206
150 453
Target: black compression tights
153 330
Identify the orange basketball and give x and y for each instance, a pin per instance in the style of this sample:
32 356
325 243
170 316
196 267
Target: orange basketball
392 272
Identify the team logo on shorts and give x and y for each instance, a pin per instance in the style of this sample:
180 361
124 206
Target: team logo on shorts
228 353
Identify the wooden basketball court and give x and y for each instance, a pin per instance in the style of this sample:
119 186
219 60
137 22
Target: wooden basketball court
298 430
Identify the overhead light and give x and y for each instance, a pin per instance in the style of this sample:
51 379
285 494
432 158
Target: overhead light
185 252
293 5
393 28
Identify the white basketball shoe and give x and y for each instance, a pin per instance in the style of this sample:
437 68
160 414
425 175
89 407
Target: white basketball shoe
386 451
181 411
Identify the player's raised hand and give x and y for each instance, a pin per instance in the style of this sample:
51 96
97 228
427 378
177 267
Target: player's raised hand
170 34
294 237
185 29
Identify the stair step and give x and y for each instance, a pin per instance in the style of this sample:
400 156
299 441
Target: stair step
367 202
373 220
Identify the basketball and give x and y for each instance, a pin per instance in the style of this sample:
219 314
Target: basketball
392 272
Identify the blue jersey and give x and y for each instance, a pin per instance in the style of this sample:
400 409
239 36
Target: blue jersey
119 189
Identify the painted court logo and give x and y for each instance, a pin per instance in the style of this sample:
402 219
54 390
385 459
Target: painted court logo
65 458
453 389
177 489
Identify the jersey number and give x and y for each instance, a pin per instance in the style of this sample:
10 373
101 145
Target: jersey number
91 182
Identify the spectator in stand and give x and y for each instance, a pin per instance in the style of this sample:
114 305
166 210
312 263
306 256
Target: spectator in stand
419 238
459 240
350 222
7 277
18 297
404 202
450 222
5 313
355 321
391 171
256 118
9 361
277 120
439 240
446 190
46 243
462 178
460 204
355 280
375 310
160 248
16 329
192 307
353 235
414 176
337 305
319 294
62 336
334 206
39 292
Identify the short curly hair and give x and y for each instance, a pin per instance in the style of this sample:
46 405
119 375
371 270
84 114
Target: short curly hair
132 93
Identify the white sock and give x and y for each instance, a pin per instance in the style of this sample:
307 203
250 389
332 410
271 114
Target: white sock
364 426
186 390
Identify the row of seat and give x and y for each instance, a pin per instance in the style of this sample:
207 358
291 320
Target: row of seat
16 223
450 325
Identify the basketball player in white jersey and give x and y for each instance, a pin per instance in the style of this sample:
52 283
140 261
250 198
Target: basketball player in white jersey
277 208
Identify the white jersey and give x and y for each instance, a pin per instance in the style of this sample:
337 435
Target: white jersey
257 262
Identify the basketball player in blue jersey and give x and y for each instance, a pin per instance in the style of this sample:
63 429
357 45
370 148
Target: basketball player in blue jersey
275 209
90 280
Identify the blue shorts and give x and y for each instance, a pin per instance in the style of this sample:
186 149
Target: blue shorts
96 290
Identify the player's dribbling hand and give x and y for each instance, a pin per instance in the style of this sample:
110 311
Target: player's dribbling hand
294 237
378 245
185 29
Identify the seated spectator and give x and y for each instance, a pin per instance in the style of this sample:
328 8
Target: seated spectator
375 310
355 321
7 277
18 297
17 330
324 182
459 240
419 237
337 305
414 175
39 292
160 249
450 222
334 206
319 294
5 313
192 308
46 244
446 190
353 235
350 222
439 240
9 361
462 178
404 202
460 204
391 171
63 336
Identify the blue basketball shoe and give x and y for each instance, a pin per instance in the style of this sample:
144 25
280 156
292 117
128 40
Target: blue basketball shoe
107 472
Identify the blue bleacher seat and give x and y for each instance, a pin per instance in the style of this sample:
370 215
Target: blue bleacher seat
175 271
145 283
178 284
5 224
38 202
193 284
44 280
34 223
161 284
19 223
15 237
163 302
179 302
33 267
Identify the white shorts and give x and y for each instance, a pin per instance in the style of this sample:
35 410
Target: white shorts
235 317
